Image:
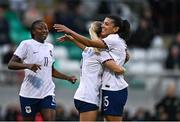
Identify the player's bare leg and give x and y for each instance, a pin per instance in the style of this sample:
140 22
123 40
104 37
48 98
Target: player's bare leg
113 118
88 116
48 114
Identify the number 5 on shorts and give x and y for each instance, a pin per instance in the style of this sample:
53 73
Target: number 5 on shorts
106 101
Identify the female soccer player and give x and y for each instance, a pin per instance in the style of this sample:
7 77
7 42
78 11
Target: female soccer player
114 88
35 56
87 95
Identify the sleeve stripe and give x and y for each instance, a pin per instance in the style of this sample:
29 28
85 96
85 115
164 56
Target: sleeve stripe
106 60
105 43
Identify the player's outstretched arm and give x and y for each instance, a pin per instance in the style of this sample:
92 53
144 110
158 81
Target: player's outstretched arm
82 39
68 37
57 74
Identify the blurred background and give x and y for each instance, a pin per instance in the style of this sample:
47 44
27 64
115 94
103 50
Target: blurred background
153 72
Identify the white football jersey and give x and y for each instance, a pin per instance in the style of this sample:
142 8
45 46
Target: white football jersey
39 84
90 77
116 48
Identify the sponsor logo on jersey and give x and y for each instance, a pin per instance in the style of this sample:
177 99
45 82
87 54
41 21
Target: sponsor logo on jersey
35 52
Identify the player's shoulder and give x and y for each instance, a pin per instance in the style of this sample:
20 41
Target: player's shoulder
26 42
113 36
116 37
88 51
49 44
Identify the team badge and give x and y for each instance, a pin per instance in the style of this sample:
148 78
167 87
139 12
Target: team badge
28 109
50 51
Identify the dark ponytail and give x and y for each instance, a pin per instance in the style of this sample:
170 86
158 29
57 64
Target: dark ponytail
125 30
124 26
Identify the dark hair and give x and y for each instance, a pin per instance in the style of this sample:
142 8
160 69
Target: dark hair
33 26
124 26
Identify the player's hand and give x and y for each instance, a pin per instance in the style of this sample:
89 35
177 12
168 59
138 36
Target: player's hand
72 79
65 37
34 67
61 28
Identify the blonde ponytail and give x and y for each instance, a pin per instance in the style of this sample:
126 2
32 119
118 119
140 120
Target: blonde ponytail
94 32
